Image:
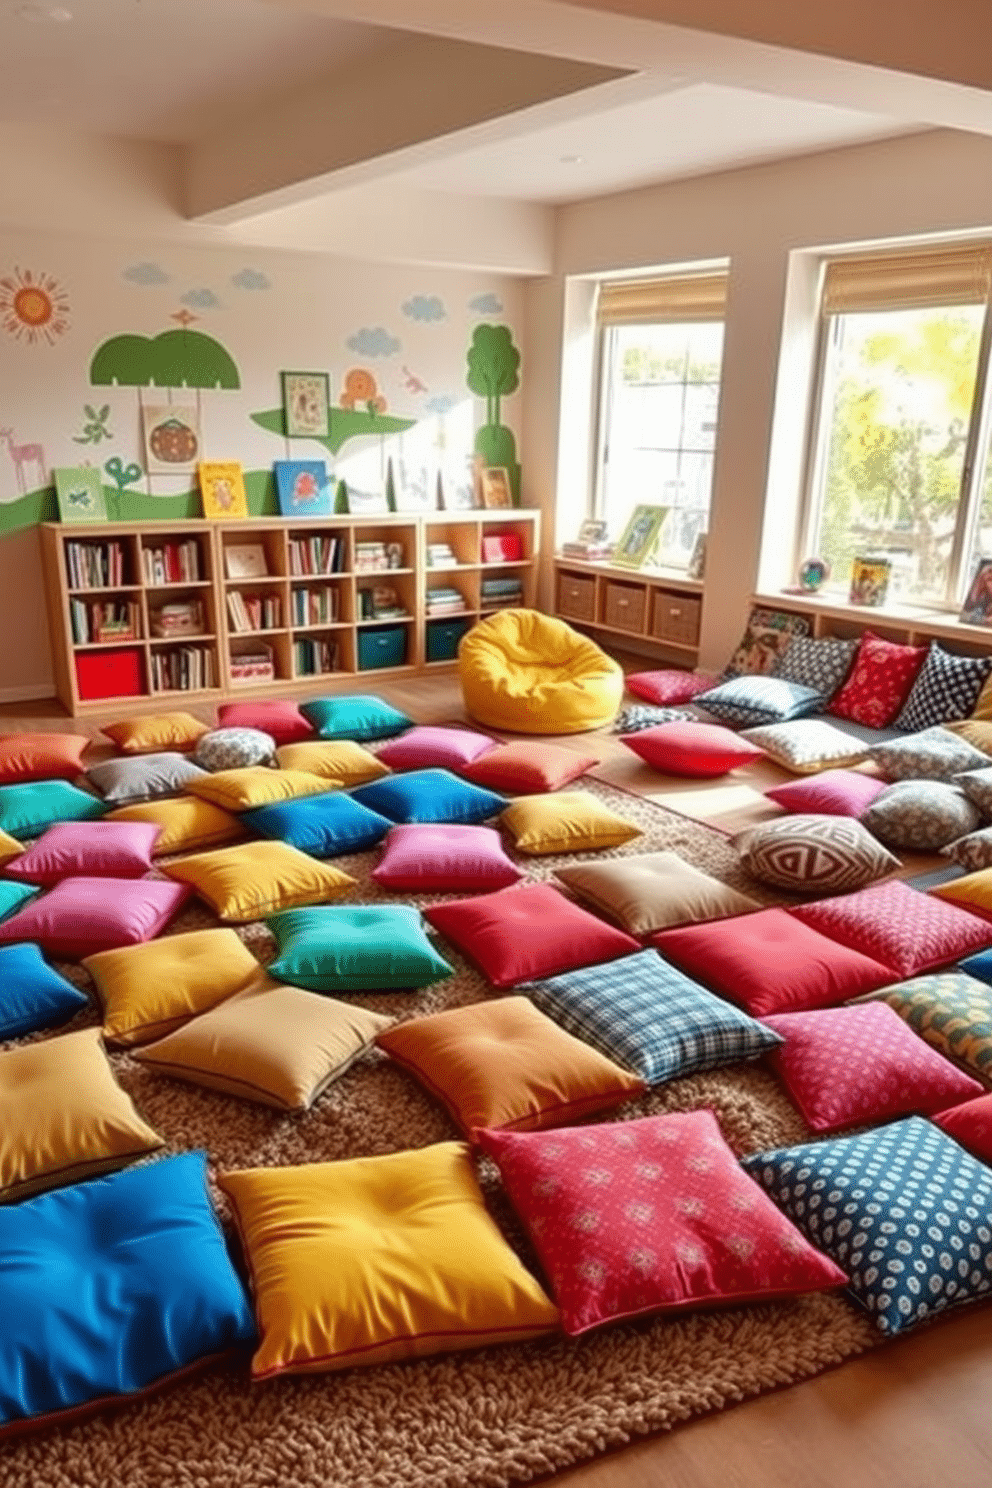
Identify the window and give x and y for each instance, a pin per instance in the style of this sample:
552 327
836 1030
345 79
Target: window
661 348
901 437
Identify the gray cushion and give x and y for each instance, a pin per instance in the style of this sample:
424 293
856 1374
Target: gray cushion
749 702
143 778
235 749
933 754
920 815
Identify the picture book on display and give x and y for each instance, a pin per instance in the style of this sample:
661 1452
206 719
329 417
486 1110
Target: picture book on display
222 488
80 494
303 488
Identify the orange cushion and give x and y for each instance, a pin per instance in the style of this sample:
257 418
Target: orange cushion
41 757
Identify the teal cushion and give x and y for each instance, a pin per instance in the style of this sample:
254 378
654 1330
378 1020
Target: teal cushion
14 896
354 948
323 826
360 717
28 809
430 796
32 995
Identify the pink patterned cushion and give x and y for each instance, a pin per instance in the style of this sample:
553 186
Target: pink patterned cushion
831 793
653 1215
424 858
852 1065
81 916
669 687
99 849
903 928
426 747
880 681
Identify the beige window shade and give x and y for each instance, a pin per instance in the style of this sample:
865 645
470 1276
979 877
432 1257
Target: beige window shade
678 298
905 281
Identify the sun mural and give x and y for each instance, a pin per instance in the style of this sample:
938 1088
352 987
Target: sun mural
33 306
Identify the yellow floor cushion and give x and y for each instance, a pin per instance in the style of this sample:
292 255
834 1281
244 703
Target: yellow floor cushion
533 674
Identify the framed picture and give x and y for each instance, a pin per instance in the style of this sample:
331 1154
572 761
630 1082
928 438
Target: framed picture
80 494
172 438
697 559
592 531
306 403
413 487
869 581
222 489
365 503
245 561
638 539
303 488
977 607
457 487
496 486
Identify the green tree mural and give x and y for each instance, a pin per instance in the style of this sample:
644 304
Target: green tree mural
173 359
493 373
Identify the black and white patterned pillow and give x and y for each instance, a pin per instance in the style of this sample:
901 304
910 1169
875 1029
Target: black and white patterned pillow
749 702
819 662
637 716
945 689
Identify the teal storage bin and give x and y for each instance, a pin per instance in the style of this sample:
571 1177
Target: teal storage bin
381 646
442 638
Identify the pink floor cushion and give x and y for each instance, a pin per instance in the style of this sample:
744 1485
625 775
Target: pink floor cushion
971 1125
429 859
853 1065
762 963
426 746
831 793
898 925
528 767
98 849
80 916
880 681
280 719
694 749
669 686
526 932
655 1215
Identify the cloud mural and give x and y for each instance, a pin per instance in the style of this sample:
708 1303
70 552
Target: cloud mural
201 299
441 404
146 273
486 304
251 279
424 307
373 341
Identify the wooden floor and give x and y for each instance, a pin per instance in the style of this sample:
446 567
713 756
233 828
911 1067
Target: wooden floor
911 1414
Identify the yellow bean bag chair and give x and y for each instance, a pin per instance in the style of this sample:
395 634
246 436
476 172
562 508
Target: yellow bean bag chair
532 674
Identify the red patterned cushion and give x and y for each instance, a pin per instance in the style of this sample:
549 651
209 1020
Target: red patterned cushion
971 1125
880 681
903 928
853 1065
760 961
647 1216
527 932
699 749
669 687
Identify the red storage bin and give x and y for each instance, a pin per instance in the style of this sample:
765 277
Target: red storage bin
116 672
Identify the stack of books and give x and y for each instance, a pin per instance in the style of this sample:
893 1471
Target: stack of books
502 593
172 563
588 552
370 557
444 601
316 555
315 606
94 565
440 555
254 611
187 669
183 618
253 666
114 621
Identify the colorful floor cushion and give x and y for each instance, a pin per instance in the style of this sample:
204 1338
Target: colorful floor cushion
695 749
279 718
361 717
972 891
903 1209
112 1286
565 822
971 1125
898 925
324 826
29 809
527 931
97 849
279 1045
853 1065
26 757
32 995
749 702
527 767
644 1014
819 662
977 729
340 761
972 851
81 916
766 637
668 686
143 777
879 683
504 1064
831 793
430 796
255 879
534 674
637 716
14 897
148 991
9 847
809 854
378 1258
185 824
952 1011
156 732
770 962
932 754
426 747
647 1216
946 688
653 891
355 948
234 749
256 785
63 1117
920 815
807 745
437 859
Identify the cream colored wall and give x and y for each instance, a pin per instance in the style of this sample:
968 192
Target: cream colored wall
766 221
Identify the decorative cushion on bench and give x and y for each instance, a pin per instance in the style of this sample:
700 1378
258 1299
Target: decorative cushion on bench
749 702
947 688
766 636
880 681
819 662
809 854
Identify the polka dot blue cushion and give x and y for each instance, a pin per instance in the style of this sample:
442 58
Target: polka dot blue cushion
904 1210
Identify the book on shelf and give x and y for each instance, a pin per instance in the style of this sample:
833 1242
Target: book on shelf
171 563
117 620
245 561
254 611
380 602
253 666
315 606
97 565
185 669
440 555
317 554
314 657
444 601
587 552
370 557
502 547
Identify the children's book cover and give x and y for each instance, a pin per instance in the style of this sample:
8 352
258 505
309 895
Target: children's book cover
303 488
869 581
222 489
80 494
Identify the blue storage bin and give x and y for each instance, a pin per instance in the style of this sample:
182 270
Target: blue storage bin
442 637
381 646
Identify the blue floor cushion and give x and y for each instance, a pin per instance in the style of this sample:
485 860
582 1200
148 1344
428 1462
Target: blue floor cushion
32 995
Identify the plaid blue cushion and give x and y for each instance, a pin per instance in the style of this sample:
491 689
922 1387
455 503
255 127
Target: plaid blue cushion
645 1015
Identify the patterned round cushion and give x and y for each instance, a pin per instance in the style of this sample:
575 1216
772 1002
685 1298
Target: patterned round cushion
814 854
920 815
234 749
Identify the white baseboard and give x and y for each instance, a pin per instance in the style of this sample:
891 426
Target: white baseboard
26 694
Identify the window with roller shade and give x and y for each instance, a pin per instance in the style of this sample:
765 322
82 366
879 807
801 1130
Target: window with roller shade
660 353
899 463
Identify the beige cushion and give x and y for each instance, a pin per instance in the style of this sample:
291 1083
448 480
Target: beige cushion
653 891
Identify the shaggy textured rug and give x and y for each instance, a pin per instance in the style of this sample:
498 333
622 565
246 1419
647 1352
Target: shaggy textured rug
495 1417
